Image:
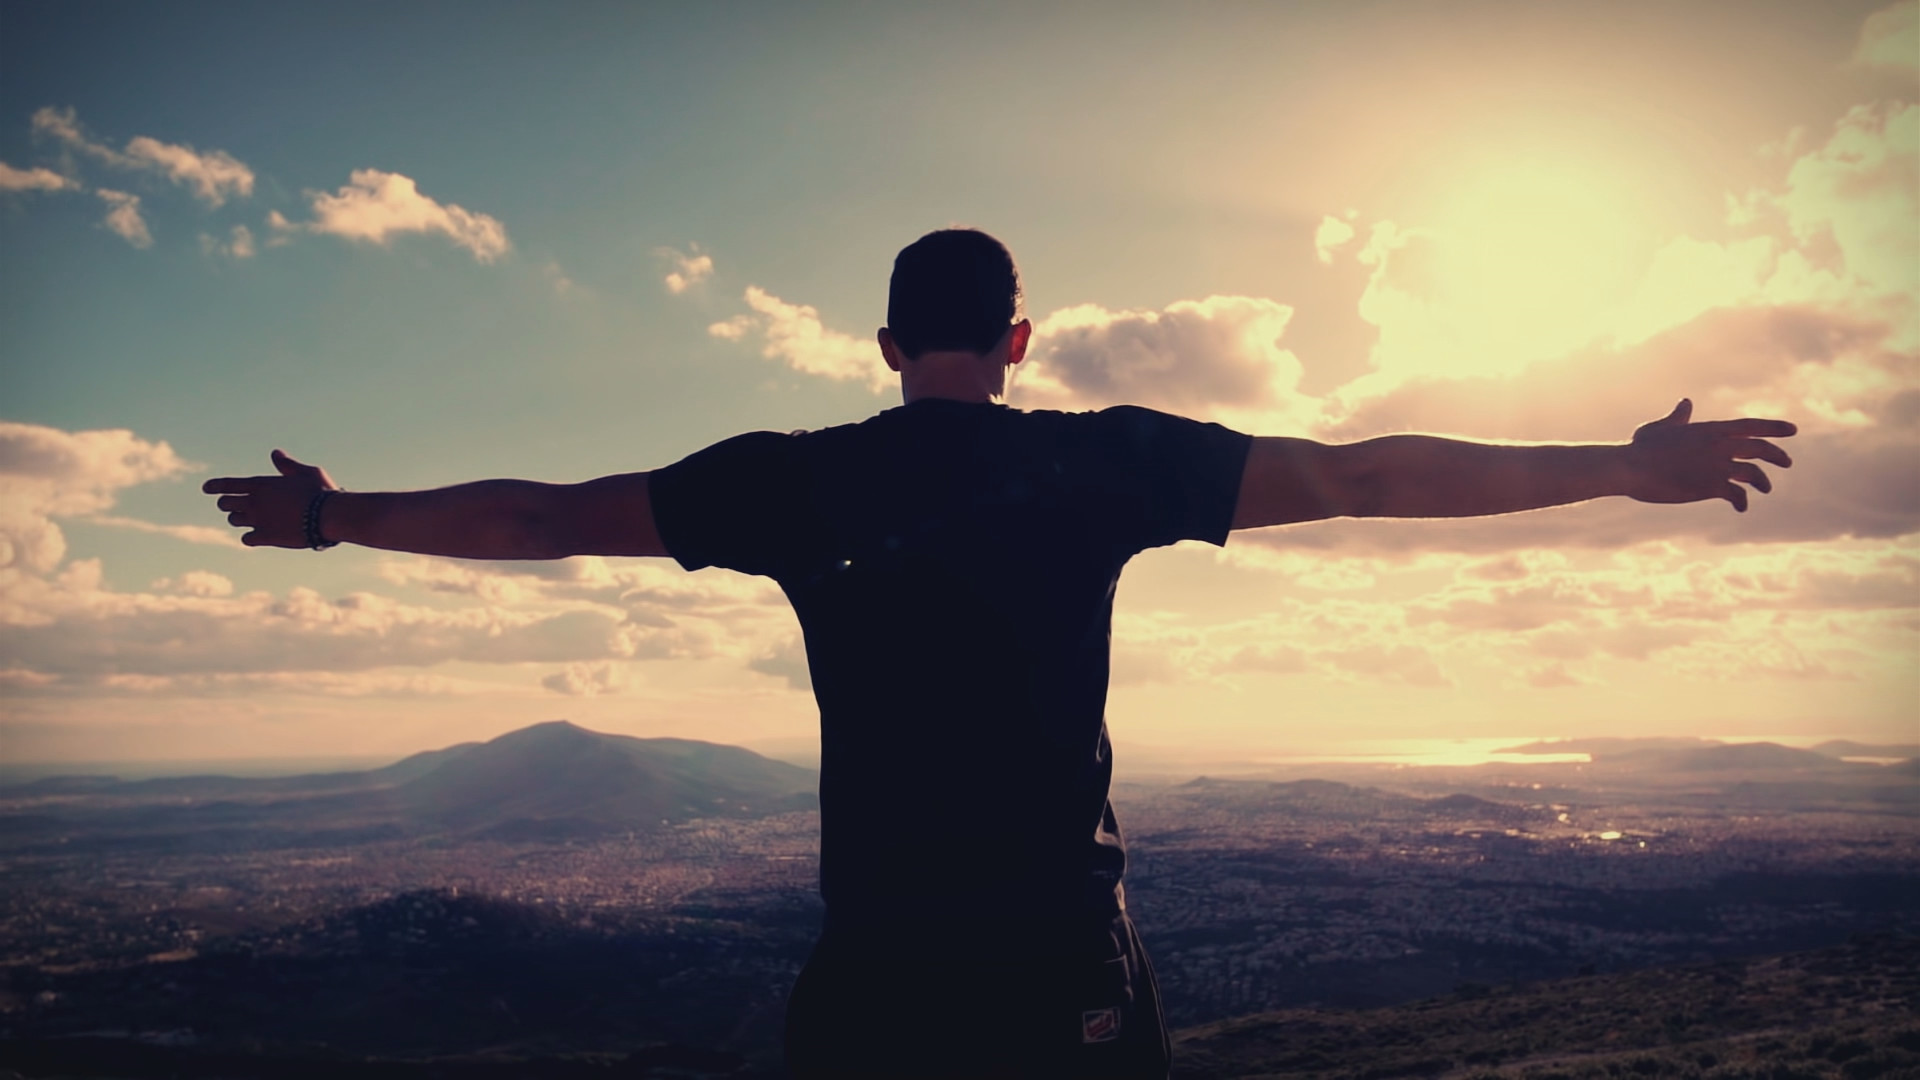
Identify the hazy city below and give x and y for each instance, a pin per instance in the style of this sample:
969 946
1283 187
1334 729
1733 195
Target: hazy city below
556 892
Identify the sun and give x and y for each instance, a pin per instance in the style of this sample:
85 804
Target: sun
1533 257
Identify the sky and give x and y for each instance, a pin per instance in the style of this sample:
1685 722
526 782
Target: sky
427 243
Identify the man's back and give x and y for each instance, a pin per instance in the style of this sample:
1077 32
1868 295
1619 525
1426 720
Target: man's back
953 566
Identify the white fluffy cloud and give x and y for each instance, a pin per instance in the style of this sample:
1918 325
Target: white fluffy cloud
375 206
35 179
72 627
1215 358
1863 189
124 219
1550 619
794 335
689 268
1331 236
46 473
213 176
585 680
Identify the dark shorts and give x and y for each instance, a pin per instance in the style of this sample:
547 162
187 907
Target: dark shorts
1077 1001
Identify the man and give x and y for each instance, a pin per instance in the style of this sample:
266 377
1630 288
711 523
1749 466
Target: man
953 564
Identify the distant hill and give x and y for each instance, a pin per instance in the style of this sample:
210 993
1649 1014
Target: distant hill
547 781
1332 799
1846 748
559 772
1726 756
1607 745
1700 755
1852 1011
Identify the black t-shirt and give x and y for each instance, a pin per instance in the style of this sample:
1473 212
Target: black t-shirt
953 567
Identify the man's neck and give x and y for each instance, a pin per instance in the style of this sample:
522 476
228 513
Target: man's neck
964 377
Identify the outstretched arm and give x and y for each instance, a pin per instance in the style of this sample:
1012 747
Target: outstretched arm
1669 461
489 519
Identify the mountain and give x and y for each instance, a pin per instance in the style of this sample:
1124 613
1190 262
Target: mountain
1701 755
547 781
1847 748
561 773
1607 746
1333 800
1726 756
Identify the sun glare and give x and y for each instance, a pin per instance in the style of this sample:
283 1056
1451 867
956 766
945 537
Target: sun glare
1533 258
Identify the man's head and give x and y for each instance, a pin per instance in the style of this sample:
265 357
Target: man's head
951 310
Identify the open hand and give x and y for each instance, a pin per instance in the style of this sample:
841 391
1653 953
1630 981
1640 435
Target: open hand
273 508
1674 461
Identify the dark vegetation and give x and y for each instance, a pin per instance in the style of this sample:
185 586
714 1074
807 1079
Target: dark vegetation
1847 1013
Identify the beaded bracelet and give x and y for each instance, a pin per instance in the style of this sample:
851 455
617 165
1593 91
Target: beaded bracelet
311 522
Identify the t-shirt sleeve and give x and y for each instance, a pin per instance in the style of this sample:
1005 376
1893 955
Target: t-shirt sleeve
739 504
1179 479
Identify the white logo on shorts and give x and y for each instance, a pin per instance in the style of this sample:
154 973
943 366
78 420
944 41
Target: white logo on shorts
1099 1025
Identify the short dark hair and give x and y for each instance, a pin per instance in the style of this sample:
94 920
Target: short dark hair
952 290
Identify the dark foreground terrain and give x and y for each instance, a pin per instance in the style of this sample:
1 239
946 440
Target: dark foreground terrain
1850 1012
1845 1013
558 903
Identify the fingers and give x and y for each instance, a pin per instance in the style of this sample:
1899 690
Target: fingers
236 485
1750 473
1764 451
1733 493
1748 427
285 464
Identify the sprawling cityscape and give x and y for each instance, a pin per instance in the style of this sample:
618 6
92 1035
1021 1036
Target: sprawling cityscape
1253 894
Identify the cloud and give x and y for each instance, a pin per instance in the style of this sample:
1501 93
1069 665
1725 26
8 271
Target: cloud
238 245
1890 37
123 217
47 473
636 586
690 267
252 684
72 627
584 680
35 179
1332 234
213 176
787 660
1407 664
795 336
64 125
1863 189
195 583
192 534
556 277
1213 358
376 206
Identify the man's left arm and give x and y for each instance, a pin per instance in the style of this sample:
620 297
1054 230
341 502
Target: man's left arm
1416 476
487 519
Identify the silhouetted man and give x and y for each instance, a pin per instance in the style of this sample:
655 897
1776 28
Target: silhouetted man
953 564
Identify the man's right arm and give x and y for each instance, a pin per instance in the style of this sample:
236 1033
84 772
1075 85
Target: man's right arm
488 519
1417 476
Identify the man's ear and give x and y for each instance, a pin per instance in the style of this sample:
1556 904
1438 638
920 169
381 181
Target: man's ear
889 350
1017 341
